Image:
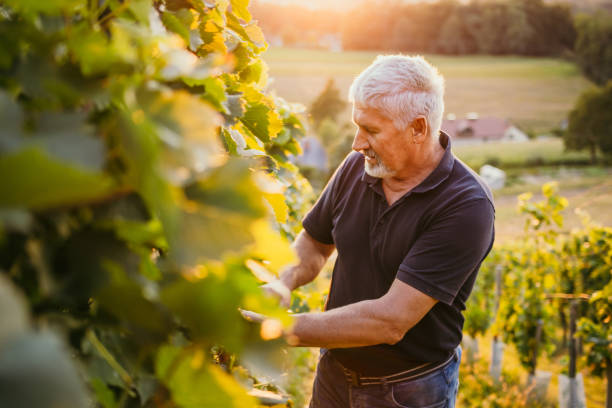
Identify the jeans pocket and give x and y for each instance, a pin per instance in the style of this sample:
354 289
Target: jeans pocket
441 404
451 370
428 392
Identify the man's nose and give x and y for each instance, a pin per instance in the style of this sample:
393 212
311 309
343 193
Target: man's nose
359 142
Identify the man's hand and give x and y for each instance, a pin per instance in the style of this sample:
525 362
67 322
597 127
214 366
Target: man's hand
279 290
270 328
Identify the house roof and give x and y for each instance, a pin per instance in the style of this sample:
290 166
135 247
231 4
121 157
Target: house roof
488 128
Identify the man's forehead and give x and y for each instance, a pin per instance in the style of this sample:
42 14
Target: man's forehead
363 113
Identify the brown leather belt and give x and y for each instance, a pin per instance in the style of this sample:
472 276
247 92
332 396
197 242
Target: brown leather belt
357 380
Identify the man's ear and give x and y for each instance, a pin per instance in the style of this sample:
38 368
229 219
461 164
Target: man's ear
420 129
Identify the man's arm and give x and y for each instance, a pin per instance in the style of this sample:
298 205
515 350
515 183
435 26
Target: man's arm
311 255
365 323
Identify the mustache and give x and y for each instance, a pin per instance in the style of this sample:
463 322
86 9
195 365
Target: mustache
371 153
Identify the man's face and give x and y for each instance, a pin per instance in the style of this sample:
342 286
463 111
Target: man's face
385 148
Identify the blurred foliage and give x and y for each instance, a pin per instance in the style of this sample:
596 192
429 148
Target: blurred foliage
478 389
328 105
338 141
594 46
542 273
589 270
525 317
590 122
142 167
481 305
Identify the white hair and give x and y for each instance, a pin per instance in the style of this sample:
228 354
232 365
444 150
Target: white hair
401 87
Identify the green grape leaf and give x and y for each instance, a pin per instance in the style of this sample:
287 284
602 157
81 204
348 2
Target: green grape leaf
140 9
174 24
214 92
240 9
145 321
32 179
229 188
262 121
50 7
105 395
279 206
255 34
255 72
195 383
208 307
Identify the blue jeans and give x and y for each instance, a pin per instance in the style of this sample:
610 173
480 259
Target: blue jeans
437 389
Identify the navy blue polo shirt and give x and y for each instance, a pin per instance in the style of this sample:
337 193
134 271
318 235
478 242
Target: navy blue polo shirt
433 238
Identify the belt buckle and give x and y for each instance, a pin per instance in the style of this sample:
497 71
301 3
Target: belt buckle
354 377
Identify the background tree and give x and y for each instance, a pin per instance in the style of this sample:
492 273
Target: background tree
519 33
590 122
594 47
553 25
328 105
488 23
455 37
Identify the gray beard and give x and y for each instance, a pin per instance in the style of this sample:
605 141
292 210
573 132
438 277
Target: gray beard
379 170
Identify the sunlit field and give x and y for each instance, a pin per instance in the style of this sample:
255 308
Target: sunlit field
541 152
531 164
534 93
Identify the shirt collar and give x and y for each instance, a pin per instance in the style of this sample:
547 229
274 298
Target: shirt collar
436 177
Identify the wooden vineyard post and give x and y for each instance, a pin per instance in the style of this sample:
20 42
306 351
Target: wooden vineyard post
538 337
572 351
497 351
537 384
571 388
609 386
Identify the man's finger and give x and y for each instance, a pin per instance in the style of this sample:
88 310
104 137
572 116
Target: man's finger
278 289
252 316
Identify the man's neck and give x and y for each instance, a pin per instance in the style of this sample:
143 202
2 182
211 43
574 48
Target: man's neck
428 159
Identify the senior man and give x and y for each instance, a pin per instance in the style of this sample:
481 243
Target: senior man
411 224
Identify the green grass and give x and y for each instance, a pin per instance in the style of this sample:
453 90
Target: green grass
511 154
292 61
534 93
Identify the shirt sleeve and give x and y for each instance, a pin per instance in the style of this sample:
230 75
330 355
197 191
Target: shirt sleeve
319 220
446 254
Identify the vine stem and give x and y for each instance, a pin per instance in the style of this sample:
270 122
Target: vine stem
114 13
100 9
110 359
